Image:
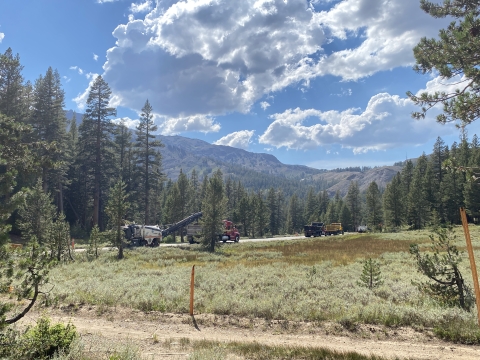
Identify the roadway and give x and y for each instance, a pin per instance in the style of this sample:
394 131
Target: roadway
242 240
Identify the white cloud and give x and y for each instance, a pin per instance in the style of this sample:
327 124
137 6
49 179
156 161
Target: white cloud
105 1
223 56
390 30
239 139
212 57
198 123
66 78
95 57
264 105
80 71
384 124
2 36
129 123
81 99
142 7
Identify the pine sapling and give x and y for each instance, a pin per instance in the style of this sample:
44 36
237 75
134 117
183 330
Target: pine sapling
371 274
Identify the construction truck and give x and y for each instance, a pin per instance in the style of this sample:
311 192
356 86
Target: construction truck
152 235
333 229
230 232
314 229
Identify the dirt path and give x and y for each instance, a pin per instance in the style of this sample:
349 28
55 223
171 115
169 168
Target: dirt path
160 336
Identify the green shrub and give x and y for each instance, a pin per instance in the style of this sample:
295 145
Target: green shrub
459 331
43 340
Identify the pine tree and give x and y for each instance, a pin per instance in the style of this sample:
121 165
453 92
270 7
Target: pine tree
37 215
15 156
96 153
353 203
371 274
214 209
59 238
451 56
195 186
294 217
442 267
260 220
311 208
148 157
272 211
394 203
117 207
244 214
11 85
374 206
50 125
123 142
184 196
418 205
345 218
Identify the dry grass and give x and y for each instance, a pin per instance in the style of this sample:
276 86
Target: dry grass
340 250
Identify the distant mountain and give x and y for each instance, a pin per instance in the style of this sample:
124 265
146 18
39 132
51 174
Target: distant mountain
258 170
186 153
381 175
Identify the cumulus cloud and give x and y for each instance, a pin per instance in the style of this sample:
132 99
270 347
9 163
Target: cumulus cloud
198 123
390 30
95 57
212 57
129 123
142 7
80 70
384 124
2 36
264 105
196 59
239 139
81 99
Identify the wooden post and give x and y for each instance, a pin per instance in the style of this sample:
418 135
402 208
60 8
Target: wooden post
463 215
192 282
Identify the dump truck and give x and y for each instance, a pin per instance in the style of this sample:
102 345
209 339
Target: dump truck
152 235
333 229
314 229
230 232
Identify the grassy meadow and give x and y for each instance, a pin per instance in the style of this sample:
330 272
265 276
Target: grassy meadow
309 279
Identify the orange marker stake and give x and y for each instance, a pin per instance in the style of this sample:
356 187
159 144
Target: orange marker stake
192 282
463 215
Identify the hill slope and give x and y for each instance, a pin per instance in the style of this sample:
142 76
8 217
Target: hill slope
258 170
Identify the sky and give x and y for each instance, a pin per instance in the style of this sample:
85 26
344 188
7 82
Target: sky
320 83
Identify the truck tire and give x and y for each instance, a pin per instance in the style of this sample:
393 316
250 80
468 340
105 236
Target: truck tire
237 239
155 242
143 242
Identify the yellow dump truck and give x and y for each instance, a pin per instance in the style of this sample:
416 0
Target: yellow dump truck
333 229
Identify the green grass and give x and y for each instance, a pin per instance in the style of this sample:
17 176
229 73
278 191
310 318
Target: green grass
312 279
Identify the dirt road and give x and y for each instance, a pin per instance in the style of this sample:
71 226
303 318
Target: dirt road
160 336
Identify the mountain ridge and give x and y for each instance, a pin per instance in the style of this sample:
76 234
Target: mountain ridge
258 170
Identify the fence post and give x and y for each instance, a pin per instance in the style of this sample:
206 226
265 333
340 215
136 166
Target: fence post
192 283
463 215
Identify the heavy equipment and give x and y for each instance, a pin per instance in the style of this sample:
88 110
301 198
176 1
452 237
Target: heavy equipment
314 229
333 229
230 232
151 235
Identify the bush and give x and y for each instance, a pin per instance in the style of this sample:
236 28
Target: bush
43 340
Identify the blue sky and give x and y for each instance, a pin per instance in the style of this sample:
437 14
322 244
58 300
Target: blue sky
320 83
